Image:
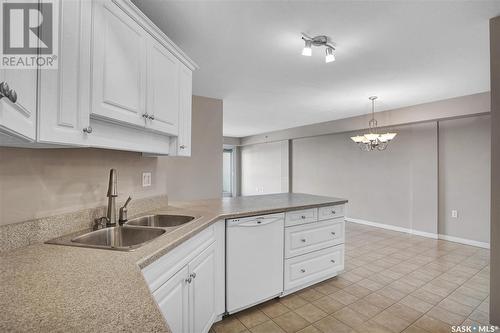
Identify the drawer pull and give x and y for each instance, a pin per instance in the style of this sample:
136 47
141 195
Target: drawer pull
303 217
333 261
334 212
303 240
189 279
333 233
303 270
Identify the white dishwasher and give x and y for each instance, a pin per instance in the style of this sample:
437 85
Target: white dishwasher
254 260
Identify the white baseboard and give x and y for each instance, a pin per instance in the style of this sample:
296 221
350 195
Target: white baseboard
393 228
484 245
420 233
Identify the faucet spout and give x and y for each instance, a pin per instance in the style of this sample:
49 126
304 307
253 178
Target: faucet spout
112 188
112 194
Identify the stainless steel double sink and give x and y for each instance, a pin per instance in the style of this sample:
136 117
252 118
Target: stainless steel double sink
133 234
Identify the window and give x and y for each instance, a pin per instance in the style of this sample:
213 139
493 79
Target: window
227 173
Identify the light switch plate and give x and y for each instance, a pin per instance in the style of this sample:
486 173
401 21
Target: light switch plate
146 179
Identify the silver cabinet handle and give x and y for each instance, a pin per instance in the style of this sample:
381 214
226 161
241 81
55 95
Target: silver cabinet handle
303 270
188 280
152 117
334 212
87 130
4 87
182 147
145 115
193 275
5 91
333 261
333 233
303 240
12 96
303 217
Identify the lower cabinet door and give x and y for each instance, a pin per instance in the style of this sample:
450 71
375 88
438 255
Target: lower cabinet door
172 298
202 290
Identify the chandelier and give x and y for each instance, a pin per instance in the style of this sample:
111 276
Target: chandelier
373 140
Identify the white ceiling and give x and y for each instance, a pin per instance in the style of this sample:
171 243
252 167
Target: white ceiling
249 53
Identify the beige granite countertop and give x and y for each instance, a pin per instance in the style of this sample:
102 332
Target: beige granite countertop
54 288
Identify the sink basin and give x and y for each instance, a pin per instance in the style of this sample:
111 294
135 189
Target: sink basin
118 238
160 221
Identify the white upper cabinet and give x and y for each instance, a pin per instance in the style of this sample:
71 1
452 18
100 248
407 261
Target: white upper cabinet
18 113
19 117
121 83
183 142
163 89
64 98
119 66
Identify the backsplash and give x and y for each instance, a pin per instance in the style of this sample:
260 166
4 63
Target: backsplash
16 235
35 183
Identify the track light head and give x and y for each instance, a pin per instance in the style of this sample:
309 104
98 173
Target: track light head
330 56
306 51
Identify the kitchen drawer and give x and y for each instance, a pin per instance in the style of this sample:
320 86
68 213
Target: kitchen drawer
330 212
310 237
297 217
314 266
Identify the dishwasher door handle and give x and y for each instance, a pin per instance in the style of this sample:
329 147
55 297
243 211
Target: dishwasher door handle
256 222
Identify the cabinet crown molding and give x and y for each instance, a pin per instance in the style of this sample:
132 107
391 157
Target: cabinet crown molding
156 32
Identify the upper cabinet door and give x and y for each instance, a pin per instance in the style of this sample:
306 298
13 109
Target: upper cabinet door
202 293
19 118
185 96
119 65
64 95
163 89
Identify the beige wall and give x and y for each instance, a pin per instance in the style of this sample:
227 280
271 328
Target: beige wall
200 176
397 186
464 178
264 168
458 107
495 171
43 182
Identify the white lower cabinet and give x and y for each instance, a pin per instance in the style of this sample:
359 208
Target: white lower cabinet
173 301
202 291
188 282
314 246
187 299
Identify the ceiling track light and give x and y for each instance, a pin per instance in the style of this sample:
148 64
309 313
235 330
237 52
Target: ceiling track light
319 41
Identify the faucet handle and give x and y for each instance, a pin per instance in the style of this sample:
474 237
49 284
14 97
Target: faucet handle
127 202
123 212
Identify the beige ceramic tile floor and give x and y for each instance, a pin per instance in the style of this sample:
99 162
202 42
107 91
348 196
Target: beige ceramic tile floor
393 282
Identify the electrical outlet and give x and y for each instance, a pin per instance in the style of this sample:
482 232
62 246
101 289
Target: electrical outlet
454 214
146 179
